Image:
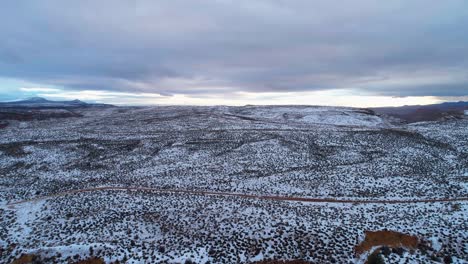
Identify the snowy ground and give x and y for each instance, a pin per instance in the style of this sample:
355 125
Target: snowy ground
319 152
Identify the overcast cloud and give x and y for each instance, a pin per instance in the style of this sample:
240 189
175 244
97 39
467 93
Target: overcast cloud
217 48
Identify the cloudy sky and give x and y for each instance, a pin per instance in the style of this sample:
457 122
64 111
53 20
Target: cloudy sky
358 53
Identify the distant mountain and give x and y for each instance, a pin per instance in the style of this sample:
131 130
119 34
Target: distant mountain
39 102
418 113
38 108
35 100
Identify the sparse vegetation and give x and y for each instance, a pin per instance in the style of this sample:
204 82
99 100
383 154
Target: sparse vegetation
287 151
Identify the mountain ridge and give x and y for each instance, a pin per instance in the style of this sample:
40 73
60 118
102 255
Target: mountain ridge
40 102
419 113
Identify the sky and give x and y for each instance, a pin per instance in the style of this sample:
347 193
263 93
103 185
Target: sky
209 52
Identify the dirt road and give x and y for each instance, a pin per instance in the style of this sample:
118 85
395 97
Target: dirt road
249 196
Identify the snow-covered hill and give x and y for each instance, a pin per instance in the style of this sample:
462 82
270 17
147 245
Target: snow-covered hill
341 116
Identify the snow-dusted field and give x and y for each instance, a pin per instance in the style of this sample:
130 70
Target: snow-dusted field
317 152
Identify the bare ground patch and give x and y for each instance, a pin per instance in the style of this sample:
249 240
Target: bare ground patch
391 239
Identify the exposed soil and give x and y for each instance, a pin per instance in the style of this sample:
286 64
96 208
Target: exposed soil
26 259
386 238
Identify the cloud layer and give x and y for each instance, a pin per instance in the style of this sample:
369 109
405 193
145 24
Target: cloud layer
219 48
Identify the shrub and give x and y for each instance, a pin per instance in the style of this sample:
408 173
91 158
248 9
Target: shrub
375 259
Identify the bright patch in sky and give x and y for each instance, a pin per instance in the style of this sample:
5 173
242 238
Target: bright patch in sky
240 98
329 97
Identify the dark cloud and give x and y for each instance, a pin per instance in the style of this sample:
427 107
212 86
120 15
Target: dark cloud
217 47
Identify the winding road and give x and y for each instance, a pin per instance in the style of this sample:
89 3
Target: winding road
240 195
